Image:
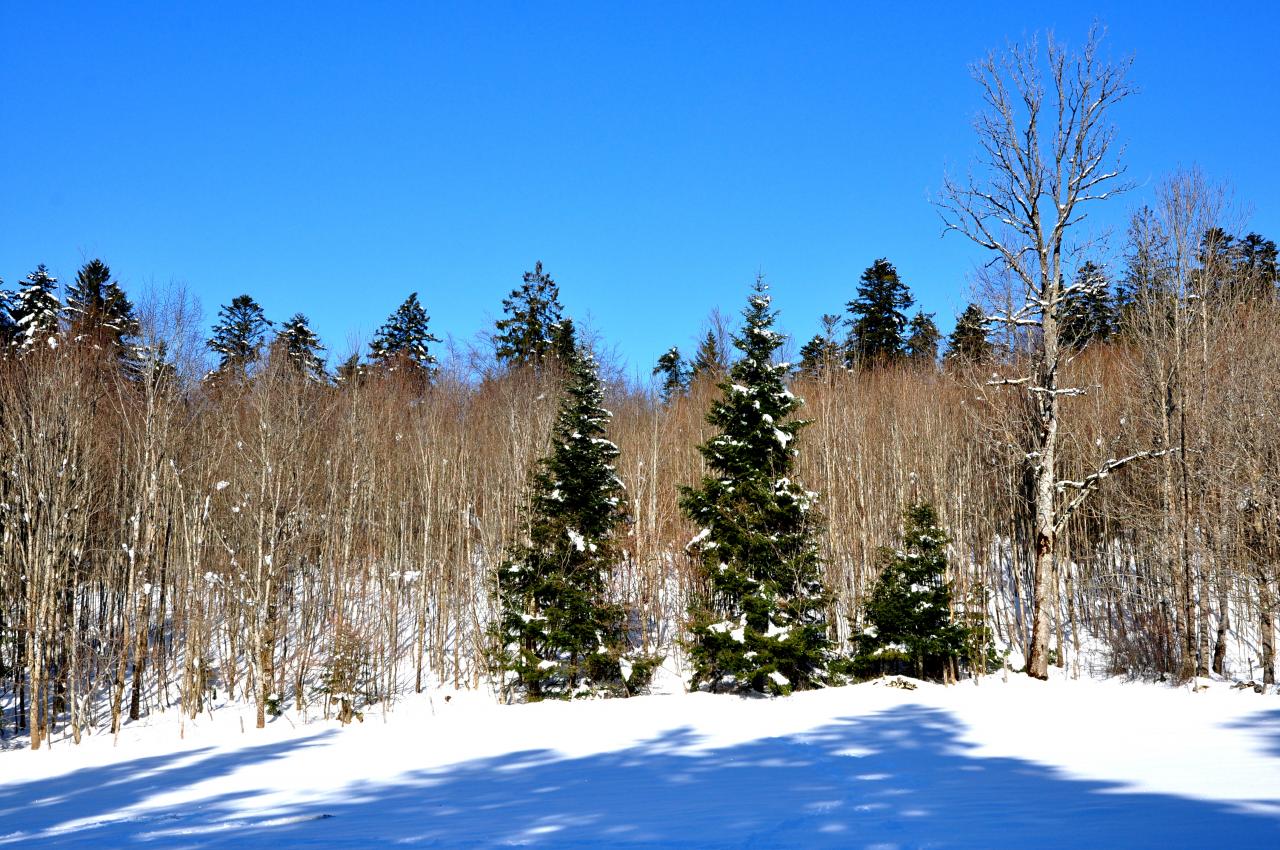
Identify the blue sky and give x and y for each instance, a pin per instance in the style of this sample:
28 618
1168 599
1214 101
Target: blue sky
332 158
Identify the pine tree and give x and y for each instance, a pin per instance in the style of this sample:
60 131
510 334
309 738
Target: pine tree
299 343
711 359
1260 263
908 614
823 352
35 310
922 338
761 624
405 339
559 635
968 343
239 334
675 374
877 316
525 337
1089 311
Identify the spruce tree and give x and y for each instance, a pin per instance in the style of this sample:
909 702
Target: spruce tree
922 338
968 343
710 360
96 305
908 615
675 374
760 625
822 352
348 371
299 344
559 634
525 337
1088 313
877 316
405 339
8 330
1260 263
239 334
35 311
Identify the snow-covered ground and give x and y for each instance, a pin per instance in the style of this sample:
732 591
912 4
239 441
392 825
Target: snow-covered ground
1016 764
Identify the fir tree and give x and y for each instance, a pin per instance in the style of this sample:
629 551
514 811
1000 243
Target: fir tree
35 310
1260 262
877 316
922 338
1088 311
968 343
711 359
525 337
822 352
564 340
761 624
299 343
239 334
96 305
559 635
908 614
405 339
675 374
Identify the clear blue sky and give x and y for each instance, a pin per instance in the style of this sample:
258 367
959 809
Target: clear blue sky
331 158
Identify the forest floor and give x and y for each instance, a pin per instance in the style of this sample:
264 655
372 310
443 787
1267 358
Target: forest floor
1000 764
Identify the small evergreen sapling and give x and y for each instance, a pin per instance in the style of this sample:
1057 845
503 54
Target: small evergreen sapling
760 625
909 627
559 635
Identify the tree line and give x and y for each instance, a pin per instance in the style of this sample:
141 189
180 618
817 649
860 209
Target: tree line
1094 460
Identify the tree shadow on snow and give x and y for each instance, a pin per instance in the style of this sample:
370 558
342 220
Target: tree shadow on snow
902 778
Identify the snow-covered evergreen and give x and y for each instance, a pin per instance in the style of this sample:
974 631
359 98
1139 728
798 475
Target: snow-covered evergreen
405 338
302 347
239 334
761 624
560 634
35 310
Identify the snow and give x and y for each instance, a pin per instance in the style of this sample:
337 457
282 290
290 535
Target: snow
1017 764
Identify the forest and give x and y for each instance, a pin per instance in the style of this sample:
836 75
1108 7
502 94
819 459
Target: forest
1090 461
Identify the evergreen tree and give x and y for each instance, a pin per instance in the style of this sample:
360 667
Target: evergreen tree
349 370
8 330
675 374
761 624
239 334
564 340
35 310
968 343
877 316
96 305
1259 259
559 635
525 337
405 339
710 359
922 338
302 347
1088 314
822 352
908 614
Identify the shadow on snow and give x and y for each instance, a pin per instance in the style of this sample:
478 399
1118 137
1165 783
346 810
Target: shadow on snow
902 778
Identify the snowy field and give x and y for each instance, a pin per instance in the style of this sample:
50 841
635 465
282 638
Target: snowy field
1016 764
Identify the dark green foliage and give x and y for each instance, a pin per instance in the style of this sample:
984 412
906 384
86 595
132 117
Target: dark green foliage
909 627
239 334
1088 313
760 625
922 338
527 335
35 310
8 330
96 305
405 339
348 370
559 635
302 348
1258 261
710 360
877 316
675 374
968 343
823 352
